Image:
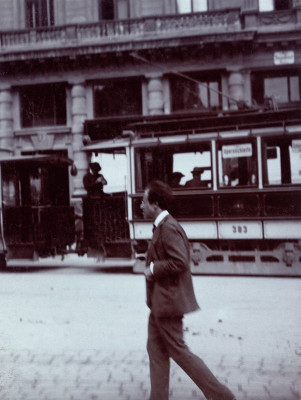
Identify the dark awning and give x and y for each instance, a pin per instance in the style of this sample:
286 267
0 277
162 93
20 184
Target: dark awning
37 159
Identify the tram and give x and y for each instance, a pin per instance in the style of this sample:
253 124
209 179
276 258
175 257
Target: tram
243 217
37 219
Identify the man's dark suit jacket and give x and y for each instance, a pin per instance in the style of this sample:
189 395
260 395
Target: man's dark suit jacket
170 293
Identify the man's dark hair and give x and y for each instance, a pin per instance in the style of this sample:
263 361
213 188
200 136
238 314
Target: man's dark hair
159 192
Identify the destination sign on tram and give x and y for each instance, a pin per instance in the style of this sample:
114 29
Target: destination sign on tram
237 150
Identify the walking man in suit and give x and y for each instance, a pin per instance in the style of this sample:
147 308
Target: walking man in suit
170 295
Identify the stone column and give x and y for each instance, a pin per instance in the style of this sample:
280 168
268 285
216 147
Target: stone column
155 96
236 89
79 114
6 123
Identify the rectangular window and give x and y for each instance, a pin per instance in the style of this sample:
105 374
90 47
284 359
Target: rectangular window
113 9
123 10
282 161
283 89
282 4
191 6
118 97
182 166
271 5
199 94
43 105
277 87
237 164
39 13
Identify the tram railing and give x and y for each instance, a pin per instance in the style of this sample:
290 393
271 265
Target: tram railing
41 227
105 224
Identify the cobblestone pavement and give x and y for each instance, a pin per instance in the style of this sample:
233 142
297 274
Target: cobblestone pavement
38 364
98 375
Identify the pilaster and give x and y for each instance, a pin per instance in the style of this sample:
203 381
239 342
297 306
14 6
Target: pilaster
6 123
79 114
155 97
236 89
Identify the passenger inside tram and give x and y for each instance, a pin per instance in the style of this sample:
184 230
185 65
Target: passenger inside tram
234 179
175 179
196 181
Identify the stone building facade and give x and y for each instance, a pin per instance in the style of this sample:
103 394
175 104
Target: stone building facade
63 62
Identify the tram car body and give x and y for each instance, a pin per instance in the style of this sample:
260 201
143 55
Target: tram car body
244 217
36 217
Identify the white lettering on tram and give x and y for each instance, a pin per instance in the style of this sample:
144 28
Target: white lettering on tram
237 150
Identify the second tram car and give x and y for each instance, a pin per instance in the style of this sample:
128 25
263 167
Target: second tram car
37 219
243 216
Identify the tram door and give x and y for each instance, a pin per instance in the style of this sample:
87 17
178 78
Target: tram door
106 227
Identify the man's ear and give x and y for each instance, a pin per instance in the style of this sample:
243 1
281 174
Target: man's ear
156 205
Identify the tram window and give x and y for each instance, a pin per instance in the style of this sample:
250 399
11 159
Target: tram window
9 185
188 163
237 164
283 161
37 183
174 166
114 170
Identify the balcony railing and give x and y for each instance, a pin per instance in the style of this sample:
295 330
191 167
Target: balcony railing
99 32
129 33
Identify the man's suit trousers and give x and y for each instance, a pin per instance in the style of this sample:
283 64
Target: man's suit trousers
165 340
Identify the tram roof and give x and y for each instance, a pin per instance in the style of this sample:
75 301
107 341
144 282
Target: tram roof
162 129
108 128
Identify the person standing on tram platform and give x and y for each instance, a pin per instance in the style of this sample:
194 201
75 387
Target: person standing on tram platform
170 295
94 181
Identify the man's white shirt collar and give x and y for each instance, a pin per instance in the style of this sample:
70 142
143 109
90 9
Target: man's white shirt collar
160 217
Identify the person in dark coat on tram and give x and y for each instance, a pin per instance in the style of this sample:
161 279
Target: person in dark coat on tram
170 295
94 181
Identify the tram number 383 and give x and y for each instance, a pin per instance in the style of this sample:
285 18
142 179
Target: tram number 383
239 229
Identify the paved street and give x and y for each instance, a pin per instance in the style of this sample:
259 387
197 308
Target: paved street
75 334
